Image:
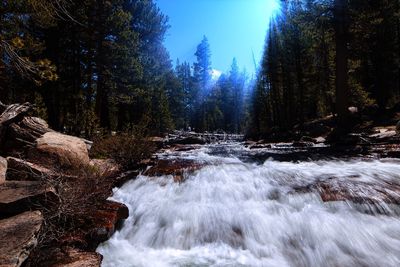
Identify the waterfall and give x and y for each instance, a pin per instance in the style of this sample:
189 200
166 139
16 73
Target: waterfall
235 213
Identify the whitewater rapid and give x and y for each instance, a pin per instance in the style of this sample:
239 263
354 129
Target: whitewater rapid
235 213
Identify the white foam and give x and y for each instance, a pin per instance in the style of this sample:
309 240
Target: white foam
240 214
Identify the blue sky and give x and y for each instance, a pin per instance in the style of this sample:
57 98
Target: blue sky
234 28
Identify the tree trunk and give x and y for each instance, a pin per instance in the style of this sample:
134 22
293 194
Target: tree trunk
341 36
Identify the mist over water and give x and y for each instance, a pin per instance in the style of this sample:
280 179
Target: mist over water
235 213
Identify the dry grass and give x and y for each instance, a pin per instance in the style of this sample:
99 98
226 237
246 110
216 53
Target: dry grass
67 220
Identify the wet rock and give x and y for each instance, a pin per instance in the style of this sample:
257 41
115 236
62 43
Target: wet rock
19 196
18 237
393 153
3 170
358 192
66 150
71 257
302 144
249 143
124 177
175 167
188 141
182 148
106 220
22 170
260 146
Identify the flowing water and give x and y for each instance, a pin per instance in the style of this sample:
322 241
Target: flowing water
236 211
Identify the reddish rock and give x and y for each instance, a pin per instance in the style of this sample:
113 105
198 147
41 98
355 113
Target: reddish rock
358 192
175 167
71 257
106 220
76 239
18 237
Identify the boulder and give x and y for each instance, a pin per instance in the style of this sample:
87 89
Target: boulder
20 196
65 150
398 128
176 168
22 170
18 237
3 170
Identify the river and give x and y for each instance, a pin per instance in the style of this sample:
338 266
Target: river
243 209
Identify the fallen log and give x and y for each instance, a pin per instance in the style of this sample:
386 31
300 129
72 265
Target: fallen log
11 114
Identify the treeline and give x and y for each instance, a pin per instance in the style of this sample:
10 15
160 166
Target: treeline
98 65
86 64
322 57
210 103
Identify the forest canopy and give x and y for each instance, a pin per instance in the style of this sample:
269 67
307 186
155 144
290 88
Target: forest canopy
99 66
324 56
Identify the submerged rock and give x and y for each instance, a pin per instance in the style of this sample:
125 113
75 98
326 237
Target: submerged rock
175 167
18 237
358 192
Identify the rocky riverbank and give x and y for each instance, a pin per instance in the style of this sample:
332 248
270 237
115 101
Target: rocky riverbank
53 197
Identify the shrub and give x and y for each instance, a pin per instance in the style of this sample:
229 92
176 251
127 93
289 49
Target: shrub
126 149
